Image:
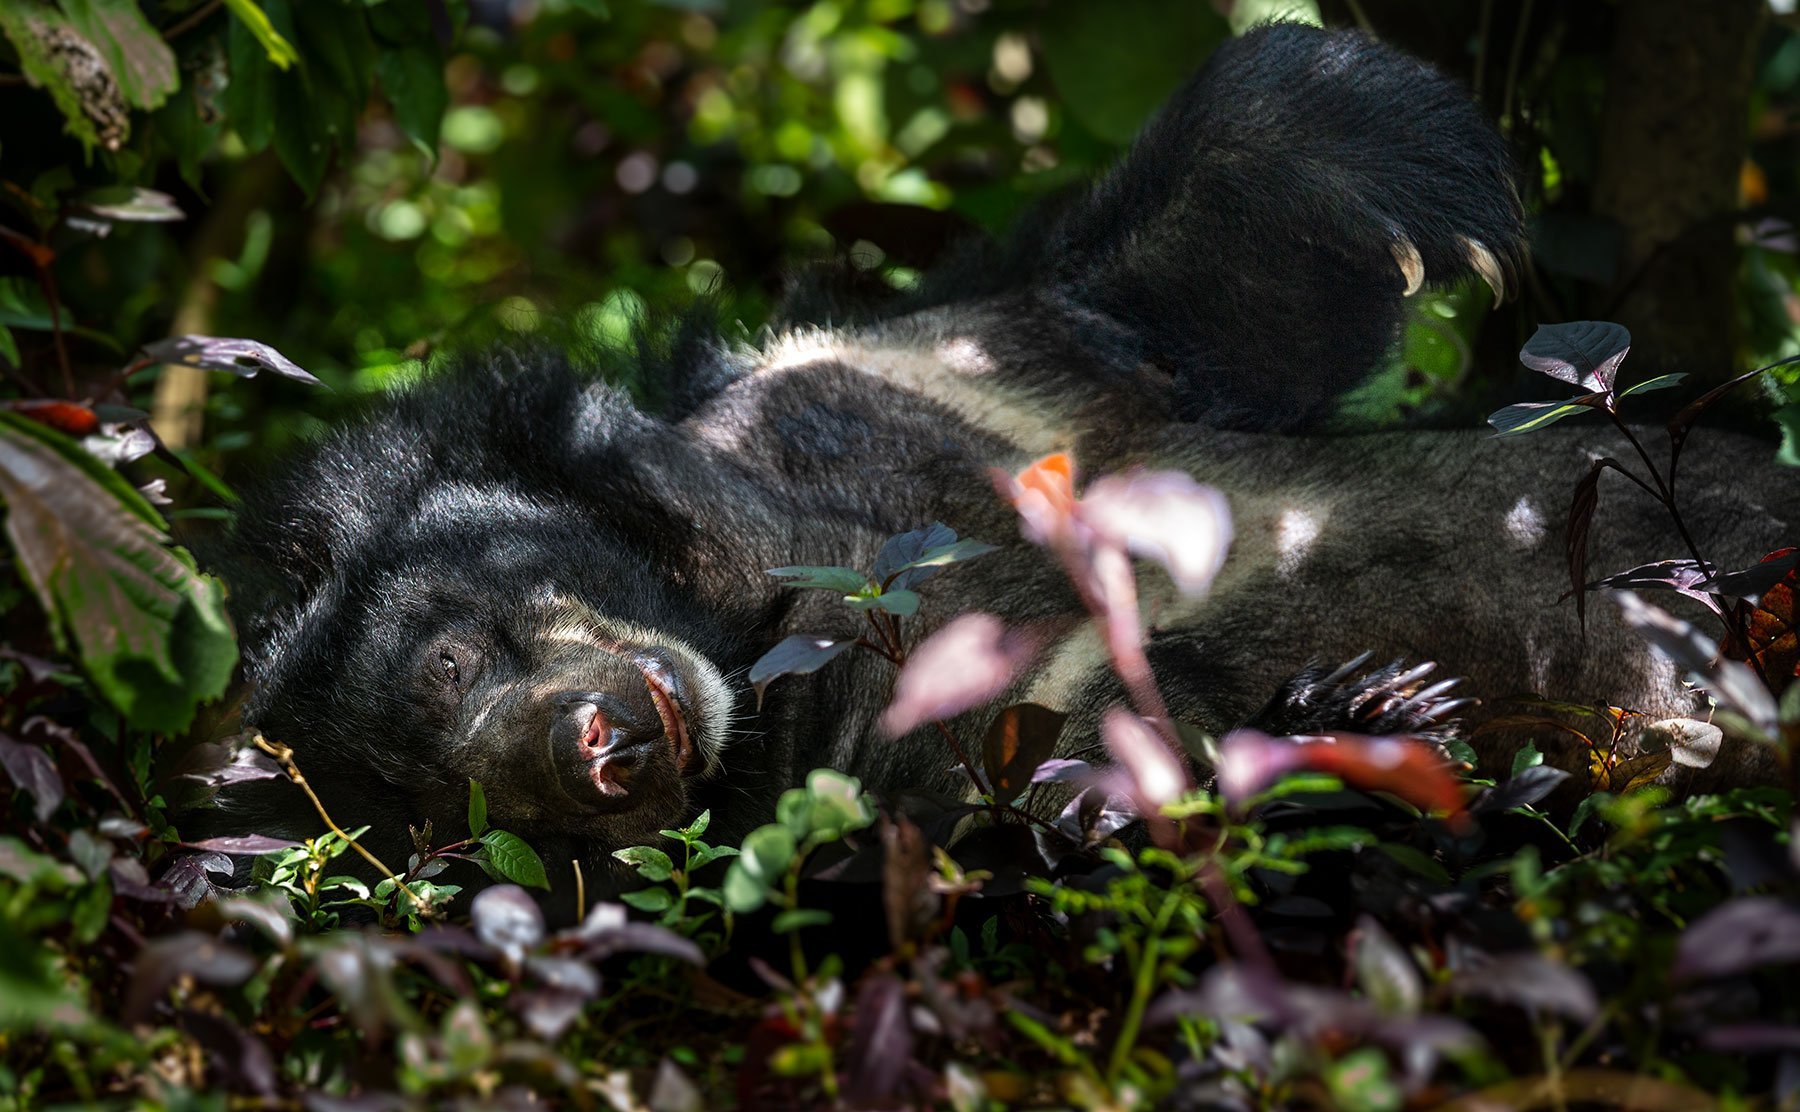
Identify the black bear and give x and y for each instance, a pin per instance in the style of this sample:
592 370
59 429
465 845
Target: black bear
513 574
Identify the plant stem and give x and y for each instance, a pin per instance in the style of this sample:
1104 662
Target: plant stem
1141 988
284 757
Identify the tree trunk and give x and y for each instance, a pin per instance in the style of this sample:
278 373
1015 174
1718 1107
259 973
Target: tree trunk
1676 132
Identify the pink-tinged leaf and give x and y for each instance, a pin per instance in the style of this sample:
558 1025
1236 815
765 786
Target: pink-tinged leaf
1157 773
1061 771
1112 590
1250 761
244 358
1584 353
1732 685
962 665
32 770
1163 516
245 845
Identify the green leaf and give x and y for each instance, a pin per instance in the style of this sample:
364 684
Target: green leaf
9 347
902 603
1517 420
1115 63
705 854
514 860
47 44
1416 860
652 900
140 60
698 826
1788 418
837 804
767 851
413 79
742 892
651 864
250 97
275 48
843 580
150 629
477 809
1527 757
1660 382
798 919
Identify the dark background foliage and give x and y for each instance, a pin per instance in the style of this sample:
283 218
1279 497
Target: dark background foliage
358 184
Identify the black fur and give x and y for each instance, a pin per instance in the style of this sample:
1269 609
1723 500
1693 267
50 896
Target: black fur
516 515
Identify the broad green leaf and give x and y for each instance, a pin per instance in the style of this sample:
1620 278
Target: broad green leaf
150 629
1115 63
9 347
902 603
800 918
477 809
250 97
766 852
413 79
651 864
141 62
46 43
1527 757
741 891
652 900
843 580
252 18
698 826
514 860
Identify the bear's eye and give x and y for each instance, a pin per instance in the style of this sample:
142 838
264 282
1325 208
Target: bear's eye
447 665
449 668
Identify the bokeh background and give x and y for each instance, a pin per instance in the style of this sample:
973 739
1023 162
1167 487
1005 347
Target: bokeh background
366 182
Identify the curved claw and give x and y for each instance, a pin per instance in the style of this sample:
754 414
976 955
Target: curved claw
1486 264
1412 266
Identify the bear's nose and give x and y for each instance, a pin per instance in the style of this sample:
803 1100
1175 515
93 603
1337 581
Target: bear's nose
601 722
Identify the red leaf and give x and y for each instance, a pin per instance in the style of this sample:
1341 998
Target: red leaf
1413 770
65 417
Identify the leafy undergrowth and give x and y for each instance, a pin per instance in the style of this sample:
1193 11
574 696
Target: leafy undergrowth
1352 921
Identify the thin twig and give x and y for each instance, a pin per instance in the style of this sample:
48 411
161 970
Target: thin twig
580 891
284 757
194 19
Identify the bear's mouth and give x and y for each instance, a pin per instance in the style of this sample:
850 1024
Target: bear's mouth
666 689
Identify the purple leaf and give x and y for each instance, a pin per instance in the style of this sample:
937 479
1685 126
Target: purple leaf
671 1091
1774 234
548 1012
239 766
273 916
186 954
186 877
881 1041
1385 973
1164 516
1019 739
1060 771
898 553
507 919
33 771
1738 937
1751 582
1524 417
966 663
1584 353
607 931
238 1057
1533 982
245 358
1733 685
794 656
1528 787
244 845
1684 576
